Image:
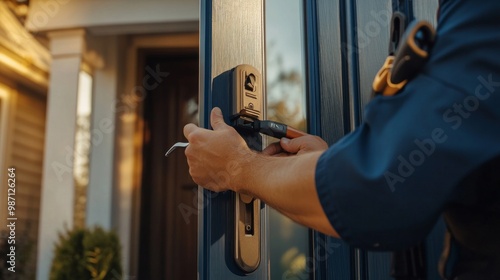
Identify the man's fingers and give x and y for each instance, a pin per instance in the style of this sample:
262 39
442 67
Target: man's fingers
188 129
272 149
306 143
216 119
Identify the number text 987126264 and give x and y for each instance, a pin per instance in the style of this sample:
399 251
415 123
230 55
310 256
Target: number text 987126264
11 218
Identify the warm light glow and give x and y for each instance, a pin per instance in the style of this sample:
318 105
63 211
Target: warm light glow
22 69
4 93
82 146
294 260
4 96
84 94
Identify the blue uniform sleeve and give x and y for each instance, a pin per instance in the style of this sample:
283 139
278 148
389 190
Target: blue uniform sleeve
384 185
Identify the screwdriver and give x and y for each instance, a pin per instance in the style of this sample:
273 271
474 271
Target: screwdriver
267 127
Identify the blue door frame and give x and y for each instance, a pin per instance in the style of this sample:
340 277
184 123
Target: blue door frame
346 43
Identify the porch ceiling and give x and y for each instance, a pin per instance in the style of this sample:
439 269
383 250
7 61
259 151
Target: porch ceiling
131 15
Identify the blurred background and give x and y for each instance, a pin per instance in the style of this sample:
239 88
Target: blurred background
92 93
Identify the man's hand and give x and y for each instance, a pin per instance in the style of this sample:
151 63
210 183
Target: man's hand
297 146
220 160
215 157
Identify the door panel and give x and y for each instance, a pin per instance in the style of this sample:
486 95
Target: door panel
373 19
331 63
232 33
426 10
329 112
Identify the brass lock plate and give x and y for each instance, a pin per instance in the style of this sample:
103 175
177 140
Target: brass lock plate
248 101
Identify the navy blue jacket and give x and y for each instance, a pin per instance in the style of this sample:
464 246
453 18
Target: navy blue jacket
416 154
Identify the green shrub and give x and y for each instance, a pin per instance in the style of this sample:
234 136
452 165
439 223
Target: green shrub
83 254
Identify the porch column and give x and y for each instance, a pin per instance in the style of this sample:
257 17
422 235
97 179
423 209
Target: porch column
57 202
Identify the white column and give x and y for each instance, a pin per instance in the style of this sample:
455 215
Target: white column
56 211
100 189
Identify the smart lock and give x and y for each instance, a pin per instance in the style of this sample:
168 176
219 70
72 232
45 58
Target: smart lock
239 93
248 101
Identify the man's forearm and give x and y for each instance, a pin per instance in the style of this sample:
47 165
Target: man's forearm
286 184
220 160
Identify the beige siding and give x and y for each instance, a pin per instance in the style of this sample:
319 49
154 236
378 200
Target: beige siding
25 153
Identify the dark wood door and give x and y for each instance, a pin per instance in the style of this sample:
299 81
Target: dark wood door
168 237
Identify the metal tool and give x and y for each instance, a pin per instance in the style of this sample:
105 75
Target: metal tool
269 128
175 146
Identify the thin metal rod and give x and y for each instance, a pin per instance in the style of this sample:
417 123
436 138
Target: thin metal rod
175 146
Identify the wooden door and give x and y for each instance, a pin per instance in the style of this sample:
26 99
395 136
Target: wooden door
168 237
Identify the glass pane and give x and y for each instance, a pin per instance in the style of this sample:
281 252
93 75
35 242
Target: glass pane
286 103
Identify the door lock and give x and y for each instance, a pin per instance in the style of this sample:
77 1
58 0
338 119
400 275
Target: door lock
248 102
248 89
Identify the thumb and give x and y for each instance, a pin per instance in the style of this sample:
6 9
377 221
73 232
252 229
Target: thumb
216 119
291 146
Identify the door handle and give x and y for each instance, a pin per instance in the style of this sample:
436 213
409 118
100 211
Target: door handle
248 100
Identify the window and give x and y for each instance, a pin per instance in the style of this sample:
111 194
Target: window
286 103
